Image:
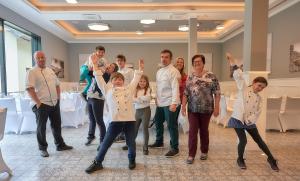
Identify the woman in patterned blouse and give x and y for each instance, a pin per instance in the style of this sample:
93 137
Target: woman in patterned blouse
202 93
246 112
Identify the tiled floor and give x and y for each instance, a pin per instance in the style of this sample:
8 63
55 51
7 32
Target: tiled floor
21 154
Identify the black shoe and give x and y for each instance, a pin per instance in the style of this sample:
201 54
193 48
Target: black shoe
156 145
44 153
94 167
203 156
190 160
125 147
64 147
89 141
241 163
146 152
132 164
273 164
172 153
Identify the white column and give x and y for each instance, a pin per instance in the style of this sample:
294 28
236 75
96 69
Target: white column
192 43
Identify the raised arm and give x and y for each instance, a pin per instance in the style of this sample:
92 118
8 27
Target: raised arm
137 76
237 72
98 72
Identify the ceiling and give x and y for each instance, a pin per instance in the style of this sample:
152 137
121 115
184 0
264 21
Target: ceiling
69 21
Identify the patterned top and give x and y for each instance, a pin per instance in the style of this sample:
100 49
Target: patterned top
200 91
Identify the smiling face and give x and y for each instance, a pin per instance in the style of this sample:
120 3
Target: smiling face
179 64
142 83
100 53
111 68
198 64
258 86
117 82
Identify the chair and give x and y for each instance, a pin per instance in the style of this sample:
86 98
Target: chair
225 111
290 117
29 119
3 166
13 120
273 110
70 116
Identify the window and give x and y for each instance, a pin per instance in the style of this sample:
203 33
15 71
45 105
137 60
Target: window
16 56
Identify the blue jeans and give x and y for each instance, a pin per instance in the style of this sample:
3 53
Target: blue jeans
114 129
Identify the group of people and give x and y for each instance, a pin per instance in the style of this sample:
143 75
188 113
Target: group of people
127 95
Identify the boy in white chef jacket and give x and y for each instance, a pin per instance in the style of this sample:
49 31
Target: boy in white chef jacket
121 113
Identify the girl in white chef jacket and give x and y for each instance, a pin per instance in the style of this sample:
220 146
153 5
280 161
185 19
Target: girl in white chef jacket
246 111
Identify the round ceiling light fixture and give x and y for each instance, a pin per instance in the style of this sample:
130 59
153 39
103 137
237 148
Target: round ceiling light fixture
72 1
183 28
147 21
220 27
139 32
98 26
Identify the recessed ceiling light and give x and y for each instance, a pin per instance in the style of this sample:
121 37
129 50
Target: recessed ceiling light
147 21
72 1
220 27
139 32
98 26
183 28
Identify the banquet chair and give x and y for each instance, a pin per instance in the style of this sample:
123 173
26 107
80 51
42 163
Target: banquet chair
69 113
273 110
29 119
290 117
13 120
3 166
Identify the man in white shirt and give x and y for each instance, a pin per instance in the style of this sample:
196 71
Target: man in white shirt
128 75
42 86
167 82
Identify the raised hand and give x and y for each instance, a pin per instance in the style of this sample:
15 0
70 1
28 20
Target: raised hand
94 60
141 64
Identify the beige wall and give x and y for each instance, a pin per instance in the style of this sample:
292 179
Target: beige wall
285 31
133 51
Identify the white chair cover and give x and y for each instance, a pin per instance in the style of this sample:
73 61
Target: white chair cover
3 166
290 117
29 119
273 109
71 110
13 120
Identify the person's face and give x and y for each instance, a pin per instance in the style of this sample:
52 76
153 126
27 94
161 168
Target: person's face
198 64
40 60
258 86
120 62
165 59
142 83
100 53
179 64
111 68
117 82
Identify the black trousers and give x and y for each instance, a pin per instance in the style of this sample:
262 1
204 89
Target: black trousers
42 114
256 137
95 109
